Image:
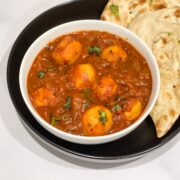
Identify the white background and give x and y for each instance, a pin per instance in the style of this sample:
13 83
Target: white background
23 157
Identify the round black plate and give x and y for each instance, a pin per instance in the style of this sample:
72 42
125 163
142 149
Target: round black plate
138 143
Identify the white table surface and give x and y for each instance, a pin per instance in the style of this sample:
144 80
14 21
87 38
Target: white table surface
23 157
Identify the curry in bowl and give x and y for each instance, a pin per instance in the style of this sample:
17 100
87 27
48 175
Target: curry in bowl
89 83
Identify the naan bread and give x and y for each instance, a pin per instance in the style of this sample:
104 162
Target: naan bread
124 11
157 22
161 31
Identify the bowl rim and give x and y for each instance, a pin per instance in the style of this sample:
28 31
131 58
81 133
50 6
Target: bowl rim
79 137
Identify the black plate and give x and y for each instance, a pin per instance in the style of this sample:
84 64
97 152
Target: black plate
140 142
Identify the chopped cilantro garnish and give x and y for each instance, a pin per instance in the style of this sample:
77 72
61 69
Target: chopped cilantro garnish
169 33
94 49
102 116
41 74
67 104
55 120
114 9
151 2
116 107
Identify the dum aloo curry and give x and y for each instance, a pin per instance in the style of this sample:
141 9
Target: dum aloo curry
89 83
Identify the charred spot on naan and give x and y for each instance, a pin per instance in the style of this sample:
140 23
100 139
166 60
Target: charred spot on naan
159 6
177 13
164 40
133 6
168 96
167 17
142 11
172 112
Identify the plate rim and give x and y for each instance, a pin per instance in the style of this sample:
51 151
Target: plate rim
40 136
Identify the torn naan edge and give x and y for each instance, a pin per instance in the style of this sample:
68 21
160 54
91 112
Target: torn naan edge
123 12
161 31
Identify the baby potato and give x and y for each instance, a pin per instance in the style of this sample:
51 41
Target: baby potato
83 75
134 109
96 121
114 53
106 88
43 97
67 51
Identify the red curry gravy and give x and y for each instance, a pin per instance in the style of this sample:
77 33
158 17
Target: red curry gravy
89 83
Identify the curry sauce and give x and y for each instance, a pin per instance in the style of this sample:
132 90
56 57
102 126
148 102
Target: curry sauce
89 83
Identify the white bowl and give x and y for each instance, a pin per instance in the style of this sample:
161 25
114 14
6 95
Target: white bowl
80 25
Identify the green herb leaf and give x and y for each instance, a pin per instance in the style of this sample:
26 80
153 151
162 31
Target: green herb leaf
94 49
116 107
151 2
114 9
67 104
41 74
169 33
55 120
102 116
